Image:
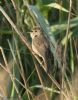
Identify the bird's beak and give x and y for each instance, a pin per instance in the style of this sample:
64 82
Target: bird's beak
30 32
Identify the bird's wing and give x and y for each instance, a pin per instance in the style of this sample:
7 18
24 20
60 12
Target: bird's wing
40 43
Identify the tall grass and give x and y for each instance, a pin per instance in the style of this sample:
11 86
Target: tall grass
20 67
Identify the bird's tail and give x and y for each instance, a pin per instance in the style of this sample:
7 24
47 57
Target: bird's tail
49 61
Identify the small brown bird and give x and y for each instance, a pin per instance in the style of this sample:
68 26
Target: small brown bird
41 47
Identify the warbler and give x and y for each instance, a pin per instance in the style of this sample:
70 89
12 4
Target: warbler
41 46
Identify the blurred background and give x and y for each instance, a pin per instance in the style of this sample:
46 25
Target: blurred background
21 74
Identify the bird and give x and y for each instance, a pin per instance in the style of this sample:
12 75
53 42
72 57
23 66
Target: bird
41 46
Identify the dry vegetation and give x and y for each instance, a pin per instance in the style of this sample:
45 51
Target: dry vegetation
21 71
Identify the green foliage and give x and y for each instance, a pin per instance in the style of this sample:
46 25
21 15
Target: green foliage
26 80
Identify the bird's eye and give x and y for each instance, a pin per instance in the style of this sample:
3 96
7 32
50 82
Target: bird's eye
35 30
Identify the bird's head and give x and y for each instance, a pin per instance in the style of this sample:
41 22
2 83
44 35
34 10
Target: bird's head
36 31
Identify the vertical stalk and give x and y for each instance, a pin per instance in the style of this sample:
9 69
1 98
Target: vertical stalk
66 44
